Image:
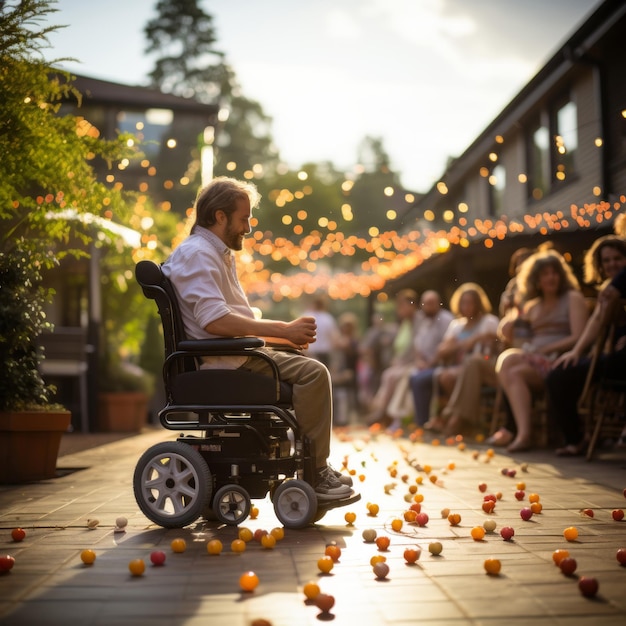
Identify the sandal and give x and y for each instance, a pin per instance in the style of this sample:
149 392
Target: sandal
519 446
500 438
572 449
435 424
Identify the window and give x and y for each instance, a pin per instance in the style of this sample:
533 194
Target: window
552 146
151 127
565 140
497 182
539 169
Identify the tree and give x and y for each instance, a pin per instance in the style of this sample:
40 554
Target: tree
188 64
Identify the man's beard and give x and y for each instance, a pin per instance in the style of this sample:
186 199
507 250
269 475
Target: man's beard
232 238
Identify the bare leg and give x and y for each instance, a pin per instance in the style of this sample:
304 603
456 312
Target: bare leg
518 379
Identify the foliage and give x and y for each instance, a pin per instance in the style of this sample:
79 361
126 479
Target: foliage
21 320
48 187
45 170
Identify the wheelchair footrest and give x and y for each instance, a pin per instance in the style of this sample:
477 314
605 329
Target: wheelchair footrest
326 505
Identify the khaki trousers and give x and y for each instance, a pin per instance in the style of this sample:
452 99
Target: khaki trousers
312 395
465 400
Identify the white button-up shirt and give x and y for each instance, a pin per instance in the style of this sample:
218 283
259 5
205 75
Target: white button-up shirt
204 276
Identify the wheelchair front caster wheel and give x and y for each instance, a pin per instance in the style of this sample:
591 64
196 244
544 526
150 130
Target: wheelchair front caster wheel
231 504
172 484
295 503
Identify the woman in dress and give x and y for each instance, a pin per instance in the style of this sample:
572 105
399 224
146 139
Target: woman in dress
556 312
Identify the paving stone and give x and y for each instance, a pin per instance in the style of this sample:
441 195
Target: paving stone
50 585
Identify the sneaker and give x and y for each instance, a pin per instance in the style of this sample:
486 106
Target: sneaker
342 478
329 487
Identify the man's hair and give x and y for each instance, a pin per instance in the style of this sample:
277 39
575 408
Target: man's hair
221 194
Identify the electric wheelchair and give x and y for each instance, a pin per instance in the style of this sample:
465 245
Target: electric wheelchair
247 441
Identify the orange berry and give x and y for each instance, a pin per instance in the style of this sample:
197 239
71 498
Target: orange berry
454 519
248 581
325 564
396 524
214 546
333 551
278 533
478 533
559 555
571 533
382 542
137 567
377 558
238 545
178 545
492 566
373 509
311 590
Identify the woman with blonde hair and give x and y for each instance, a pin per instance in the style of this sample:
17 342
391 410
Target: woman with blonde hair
472 332
556 312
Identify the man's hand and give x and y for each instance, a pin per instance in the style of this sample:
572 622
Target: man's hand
301 331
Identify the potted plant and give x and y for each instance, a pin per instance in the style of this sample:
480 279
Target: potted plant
123 397
30 425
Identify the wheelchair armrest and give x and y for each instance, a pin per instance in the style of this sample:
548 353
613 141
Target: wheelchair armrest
207 346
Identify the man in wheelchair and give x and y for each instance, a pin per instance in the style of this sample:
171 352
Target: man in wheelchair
213 304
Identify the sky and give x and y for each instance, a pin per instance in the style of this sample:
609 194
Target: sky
425 76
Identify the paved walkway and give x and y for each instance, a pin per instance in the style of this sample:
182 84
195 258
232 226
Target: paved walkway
50 585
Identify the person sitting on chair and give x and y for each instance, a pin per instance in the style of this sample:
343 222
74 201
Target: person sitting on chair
603 262
557 312
213 304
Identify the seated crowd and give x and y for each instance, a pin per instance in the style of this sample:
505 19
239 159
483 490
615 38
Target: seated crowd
435 367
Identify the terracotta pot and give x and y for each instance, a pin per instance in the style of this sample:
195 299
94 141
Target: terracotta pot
29 444
122 411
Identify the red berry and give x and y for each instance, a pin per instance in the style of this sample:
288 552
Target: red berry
324 602
520 495
6 562
588 512
621 556
18 534
568 565
506 532
157 557
422 519
618 515
482 487
489 506
588 586
526 514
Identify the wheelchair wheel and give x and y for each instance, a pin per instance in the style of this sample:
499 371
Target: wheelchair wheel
172 484
231 504
295 503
